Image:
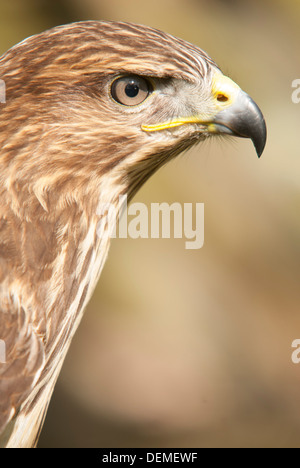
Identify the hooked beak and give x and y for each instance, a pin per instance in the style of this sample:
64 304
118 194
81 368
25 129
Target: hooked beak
239 115
243 119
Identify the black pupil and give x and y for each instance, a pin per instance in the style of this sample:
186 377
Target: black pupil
132 89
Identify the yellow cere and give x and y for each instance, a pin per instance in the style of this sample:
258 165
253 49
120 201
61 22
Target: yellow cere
226 87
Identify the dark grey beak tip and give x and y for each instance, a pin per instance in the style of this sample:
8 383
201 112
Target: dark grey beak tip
255 126
259 147
259 137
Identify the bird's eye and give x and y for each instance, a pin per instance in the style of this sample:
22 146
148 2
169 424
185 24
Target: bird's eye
130 90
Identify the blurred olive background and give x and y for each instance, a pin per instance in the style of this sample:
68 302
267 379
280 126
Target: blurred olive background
193 347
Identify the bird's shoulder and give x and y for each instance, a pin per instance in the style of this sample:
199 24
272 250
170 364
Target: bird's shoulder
21 358
22 329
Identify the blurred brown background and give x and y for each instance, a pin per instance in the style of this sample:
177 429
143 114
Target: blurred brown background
193 347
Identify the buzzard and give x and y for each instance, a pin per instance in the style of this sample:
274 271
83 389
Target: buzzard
92 110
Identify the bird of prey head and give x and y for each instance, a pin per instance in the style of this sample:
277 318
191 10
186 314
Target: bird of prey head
92 110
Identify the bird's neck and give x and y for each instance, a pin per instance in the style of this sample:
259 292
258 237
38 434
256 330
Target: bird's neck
82 256
61 288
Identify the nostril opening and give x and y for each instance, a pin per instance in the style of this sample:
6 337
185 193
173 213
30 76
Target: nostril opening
222 98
